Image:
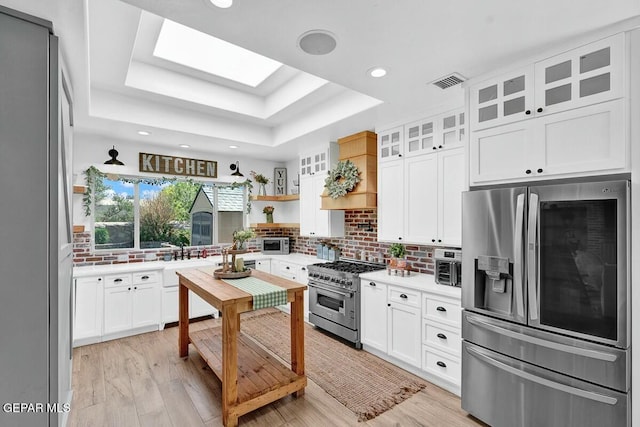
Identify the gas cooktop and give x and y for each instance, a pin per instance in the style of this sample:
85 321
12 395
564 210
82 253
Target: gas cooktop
352 267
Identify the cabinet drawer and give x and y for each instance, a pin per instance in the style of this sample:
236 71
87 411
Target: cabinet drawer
440 364
146 277
287 270
441 337
442 310
404 296
117 280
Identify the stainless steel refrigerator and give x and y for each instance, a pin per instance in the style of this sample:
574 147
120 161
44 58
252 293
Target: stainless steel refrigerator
35 230
545 295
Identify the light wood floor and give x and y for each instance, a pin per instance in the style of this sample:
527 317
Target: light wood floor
141 381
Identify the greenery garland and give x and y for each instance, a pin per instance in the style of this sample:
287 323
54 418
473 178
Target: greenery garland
342 179
92 174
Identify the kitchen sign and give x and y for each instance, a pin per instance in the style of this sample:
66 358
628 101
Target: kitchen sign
157 163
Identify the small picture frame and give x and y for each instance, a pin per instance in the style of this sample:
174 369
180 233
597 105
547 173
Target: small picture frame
279 181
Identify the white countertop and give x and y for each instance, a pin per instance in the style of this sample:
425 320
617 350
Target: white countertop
99 270
417 281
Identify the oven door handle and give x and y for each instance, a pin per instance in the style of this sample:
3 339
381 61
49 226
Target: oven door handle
335 291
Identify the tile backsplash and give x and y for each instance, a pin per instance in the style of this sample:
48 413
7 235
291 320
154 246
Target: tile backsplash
361 234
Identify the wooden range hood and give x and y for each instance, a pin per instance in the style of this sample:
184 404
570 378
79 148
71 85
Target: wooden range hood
361 149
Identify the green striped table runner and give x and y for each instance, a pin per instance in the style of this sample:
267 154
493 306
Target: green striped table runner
264 293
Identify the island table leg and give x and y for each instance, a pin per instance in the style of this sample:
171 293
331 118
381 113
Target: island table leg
183 321
297 336
230 325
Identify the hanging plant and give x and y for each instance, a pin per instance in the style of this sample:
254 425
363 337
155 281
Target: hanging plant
342 179
91 175
246 183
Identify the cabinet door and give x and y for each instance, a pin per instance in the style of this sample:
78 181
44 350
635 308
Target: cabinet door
170 304
502 100
263 265
390 144
145 303
583 140
501 153
199 307
451 184
404 325
451 131
88 308
391 201
420 137
580 77
308 206
421 195
117 309
373 320
322 217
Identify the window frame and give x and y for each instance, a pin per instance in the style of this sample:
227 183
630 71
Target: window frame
136 210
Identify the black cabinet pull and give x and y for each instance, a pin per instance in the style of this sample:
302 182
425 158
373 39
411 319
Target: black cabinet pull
399 155
372 283
388 305
439 240
441 336
135 287
287 267
441 308
145 277
441 364
527 112
439 146
539 170
403 296
117 281
539 110
399 238
303 268
528 171
128 289
434 148
433 240
99 279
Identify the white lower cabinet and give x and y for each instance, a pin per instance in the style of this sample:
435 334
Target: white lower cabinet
373 314
131 303
297 273
263 265
87 310
404 323
416 328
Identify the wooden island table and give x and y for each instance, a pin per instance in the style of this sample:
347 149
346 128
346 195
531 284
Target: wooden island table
251 377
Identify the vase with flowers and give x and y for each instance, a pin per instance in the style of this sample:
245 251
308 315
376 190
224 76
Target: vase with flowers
240 238
262 181
268 211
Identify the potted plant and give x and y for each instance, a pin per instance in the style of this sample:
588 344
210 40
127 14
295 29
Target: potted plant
397 252
268 210
241 236
262 180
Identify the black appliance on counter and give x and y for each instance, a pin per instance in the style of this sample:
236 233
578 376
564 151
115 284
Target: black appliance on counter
334 296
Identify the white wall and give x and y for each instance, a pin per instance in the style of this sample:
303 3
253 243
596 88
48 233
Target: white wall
93 150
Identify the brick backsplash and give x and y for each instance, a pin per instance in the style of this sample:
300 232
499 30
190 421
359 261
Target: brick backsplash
356 241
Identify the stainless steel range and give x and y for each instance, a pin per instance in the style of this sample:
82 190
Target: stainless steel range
334 296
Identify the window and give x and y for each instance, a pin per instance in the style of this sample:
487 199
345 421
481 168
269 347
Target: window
144 215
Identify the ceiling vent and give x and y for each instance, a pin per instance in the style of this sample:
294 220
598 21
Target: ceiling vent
449 80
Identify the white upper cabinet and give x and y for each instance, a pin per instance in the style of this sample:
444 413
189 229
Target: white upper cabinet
562 117
587 75
502 100
583 76
318 161
435 133
390 144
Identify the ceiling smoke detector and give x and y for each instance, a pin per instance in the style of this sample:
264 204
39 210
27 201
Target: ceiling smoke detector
317 42
449 80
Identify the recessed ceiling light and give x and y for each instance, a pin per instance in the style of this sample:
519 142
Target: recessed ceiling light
377 72
233 146
317 42
185 146
222 3
144 133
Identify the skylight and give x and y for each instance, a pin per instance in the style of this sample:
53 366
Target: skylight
194 49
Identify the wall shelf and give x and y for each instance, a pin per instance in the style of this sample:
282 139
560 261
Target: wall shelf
285 198
275 225
79 189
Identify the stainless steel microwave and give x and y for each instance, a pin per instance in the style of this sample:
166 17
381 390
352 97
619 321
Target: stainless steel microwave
275 245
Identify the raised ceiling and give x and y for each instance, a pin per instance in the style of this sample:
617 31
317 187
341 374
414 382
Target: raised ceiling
121 87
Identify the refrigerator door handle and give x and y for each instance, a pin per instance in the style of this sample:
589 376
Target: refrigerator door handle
518 286
532 282
583 352
542 381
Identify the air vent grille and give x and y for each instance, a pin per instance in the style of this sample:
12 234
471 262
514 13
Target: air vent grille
449 80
